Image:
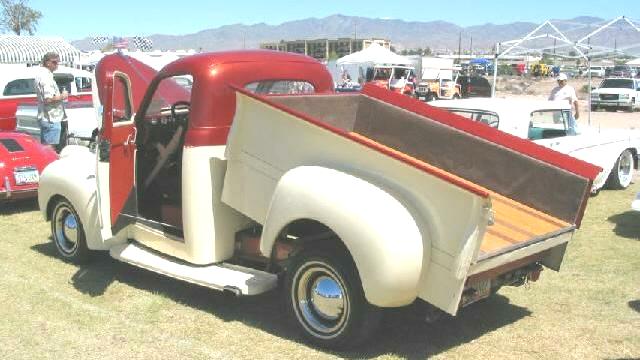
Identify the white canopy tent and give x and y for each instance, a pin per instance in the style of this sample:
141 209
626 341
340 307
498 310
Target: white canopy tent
634 62
30 49
375 55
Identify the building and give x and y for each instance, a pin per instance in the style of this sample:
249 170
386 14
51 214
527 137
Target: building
325 49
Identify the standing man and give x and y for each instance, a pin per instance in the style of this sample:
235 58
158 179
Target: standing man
50 102
565 92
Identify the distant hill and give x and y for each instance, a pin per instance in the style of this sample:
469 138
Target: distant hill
403 34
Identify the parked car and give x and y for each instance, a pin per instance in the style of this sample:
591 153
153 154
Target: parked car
550 124
22 160
616 93
625 71
474 86
17 83
596 71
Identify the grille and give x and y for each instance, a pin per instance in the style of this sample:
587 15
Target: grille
11 145
609 96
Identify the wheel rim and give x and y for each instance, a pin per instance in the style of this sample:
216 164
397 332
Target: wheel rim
320 300
625 168
65 230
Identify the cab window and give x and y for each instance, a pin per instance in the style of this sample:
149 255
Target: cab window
484 117
548 124
20 87
280 87
83 84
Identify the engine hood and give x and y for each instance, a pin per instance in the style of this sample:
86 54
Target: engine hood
613 91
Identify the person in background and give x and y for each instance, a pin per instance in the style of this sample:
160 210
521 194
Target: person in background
565 92
50 102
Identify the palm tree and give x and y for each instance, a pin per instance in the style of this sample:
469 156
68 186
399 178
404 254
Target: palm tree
17 17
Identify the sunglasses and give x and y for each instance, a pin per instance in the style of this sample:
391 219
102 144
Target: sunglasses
55 62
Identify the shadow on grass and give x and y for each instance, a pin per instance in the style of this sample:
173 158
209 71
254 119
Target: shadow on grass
402 333
627 224
635 305
18 206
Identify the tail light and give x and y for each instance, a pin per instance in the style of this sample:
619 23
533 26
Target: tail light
470 88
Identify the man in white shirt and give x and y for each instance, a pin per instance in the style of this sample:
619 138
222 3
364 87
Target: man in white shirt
50 101
565 92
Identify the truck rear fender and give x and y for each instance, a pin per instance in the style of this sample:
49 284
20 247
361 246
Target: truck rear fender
379 232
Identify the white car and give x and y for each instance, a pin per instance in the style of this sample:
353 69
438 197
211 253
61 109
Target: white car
617 93
550 124
596 71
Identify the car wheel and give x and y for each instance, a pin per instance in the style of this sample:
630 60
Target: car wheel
622 172
326 302
68 233
594 108
611 109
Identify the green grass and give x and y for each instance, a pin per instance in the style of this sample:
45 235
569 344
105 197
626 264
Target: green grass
50 309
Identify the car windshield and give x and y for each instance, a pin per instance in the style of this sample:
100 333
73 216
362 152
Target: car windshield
617 83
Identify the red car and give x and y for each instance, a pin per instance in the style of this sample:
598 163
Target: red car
22 159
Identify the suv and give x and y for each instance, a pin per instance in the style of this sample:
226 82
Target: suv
615 93
623 71
596 71
474 86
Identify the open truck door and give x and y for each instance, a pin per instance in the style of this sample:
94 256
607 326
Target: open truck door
116 154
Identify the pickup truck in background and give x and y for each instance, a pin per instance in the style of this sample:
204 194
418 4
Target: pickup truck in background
616 93
352 203
18 87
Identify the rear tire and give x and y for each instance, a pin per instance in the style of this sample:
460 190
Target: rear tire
622 172
326 302
68 233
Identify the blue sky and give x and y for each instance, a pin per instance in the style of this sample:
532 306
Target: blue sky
74 20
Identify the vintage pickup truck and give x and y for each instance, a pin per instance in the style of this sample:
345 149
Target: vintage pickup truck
260 173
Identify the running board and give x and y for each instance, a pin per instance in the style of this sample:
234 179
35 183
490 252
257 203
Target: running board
237 279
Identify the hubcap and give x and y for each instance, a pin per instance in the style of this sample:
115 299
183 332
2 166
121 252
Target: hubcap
625 166
66 229
320 299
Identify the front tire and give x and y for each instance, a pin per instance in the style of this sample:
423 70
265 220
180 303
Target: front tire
326 302
68 233
622 172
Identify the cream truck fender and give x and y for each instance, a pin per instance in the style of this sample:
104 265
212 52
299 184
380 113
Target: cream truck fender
72 177
379 232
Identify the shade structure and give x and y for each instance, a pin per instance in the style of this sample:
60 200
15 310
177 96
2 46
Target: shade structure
30 49
374 54
634 62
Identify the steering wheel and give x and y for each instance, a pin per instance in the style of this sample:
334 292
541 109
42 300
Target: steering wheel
177 104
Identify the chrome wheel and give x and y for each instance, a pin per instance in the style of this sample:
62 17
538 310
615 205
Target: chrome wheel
320 299
625 168
65 229
68 233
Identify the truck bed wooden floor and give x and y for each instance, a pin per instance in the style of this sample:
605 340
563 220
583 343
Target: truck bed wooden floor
516 224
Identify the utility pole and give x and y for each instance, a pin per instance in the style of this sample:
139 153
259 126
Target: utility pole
459 46
471 47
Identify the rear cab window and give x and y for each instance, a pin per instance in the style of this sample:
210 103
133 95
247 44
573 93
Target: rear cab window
280 87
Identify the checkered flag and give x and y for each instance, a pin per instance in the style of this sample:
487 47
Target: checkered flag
143 43
99 40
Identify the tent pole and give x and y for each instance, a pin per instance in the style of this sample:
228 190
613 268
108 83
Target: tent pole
495 70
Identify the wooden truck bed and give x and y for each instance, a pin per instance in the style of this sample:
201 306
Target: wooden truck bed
515 224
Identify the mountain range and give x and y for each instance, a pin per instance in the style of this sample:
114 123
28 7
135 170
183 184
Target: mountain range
437 35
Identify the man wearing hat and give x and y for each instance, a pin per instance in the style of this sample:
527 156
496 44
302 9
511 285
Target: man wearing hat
50 102
565 92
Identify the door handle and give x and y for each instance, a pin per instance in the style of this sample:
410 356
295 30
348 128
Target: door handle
131 138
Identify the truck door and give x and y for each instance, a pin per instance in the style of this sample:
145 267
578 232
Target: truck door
116 155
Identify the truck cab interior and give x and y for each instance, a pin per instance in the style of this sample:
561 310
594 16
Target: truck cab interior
162 130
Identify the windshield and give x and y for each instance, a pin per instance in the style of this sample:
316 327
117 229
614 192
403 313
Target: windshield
617 83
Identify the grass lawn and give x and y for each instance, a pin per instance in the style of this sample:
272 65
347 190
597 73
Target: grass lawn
50 309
